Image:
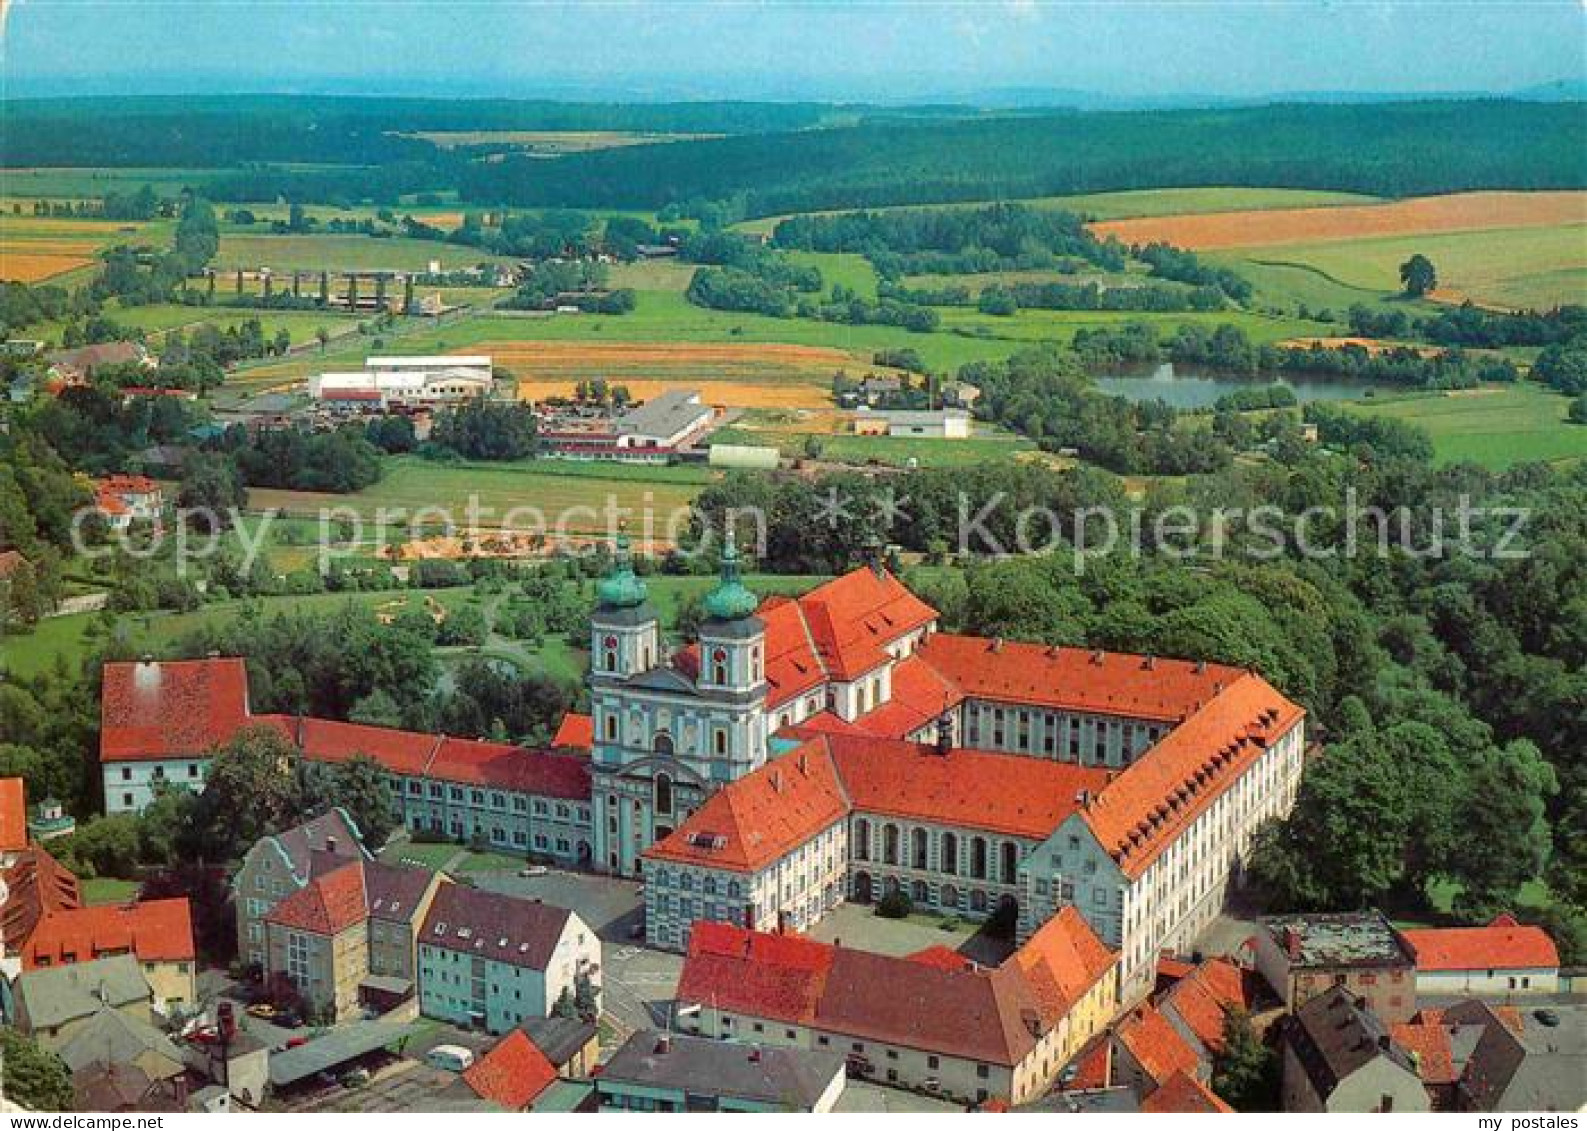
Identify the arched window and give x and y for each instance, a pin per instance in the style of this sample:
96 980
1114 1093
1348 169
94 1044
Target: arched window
918 846
662 744
663 795
978 858
611 728
719 673
720 739
862 840
948 897
889 844
734 891
950 854
1010 862
920 893
709 885
611 659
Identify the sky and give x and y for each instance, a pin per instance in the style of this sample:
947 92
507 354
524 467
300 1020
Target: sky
780 49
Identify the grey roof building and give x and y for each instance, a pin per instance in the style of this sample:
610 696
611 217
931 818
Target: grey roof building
1541 1068
659 1072
50 999
1338 1057
664 420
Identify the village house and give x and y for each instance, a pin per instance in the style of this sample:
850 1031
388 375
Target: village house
348 938
1503 958
76 366
158 932
512 1073
54 1003
277 865
1302 956
123 500
1340 1057
494 962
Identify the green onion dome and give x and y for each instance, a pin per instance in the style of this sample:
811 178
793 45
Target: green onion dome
621 589
731 599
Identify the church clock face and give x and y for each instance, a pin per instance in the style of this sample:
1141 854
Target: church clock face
720 655
610 642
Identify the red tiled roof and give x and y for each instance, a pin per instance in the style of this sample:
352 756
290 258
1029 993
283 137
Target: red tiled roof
1140 812
512 1073
778 977
350 395
1184 1094
328 904
170 708
920 695
1427 1040
575 732
942 957
500 766
761 816
896 1000
1502 944
37 886
1062 961
792 665
156 930
1155 1044
127 485
13 814
1075 679
327 740
110 504
837 631
1005 793
1202 997
1093 1066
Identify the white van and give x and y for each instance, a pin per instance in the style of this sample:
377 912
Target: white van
450 1058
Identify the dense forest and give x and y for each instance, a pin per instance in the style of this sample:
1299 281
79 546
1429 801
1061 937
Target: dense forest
776 158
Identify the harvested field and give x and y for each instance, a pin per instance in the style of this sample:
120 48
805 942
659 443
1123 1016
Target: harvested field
1371 345
1460 212
749 375
20 263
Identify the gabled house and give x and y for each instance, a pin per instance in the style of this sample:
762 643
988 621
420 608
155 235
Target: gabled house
157 932
347 937
1339 1057
491 961
275 866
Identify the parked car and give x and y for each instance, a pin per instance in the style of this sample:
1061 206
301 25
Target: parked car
534 870
450 1058
263 1010
1546 1018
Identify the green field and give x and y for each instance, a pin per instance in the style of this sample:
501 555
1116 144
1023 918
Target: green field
84 183
840 269
1031 326
162 318
1510 267
103 889
1497 426
340 253
1139 202
560 490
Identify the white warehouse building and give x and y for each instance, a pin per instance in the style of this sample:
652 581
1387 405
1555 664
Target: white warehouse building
408 380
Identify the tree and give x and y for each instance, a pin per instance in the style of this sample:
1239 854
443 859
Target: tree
35 1078
1418 276
1578 410
357 785
1245 1073
1504 837
212 489
251 790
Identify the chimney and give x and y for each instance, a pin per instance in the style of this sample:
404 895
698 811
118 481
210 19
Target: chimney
1292 943
1083 798
997 644
776 781
663 1044
754 1055
330 844
1150 663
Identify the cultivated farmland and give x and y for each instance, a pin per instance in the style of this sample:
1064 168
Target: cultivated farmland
339 252
1460 212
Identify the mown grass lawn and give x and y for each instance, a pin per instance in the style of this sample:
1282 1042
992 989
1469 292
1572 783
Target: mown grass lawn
1496 426
103 889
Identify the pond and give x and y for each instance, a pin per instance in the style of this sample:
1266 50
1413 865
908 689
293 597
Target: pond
1188 388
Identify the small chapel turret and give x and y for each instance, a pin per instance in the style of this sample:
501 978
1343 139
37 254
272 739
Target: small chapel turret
625 633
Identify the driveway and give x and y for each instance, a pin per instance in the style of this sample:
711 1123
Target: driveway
639 987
